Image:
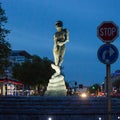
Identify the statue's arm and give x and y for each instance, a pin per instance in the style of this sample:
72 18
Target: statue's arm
67 35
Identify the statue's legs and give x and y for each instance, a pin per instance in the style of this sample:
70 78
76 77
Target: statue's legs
56 56
61 55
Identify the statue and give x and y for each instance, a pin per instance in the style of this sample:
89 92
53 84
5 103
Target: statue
56 85
61 37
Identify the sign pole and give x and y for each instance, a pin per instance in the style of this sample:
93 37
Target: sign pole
108 87
108 31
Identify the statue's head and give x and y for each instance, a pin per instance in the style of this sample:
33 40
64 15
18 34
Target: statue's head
59 23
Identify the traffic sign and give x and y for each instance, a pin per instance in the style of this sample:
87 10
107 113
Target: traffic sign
107 53
107 31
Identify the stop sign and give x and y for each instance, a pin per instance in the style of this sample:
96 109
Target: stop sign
107 31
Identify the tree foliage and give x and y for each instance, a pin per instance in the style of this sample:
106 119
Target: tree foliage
94 88
33 73
5 47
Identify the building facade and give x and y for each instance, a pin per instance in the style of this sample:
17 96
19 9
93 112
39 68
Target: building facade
17 56
114 77
8 85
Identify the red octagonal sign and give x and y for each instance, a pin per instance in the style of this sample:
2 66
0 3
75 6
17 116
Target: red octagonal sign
107 31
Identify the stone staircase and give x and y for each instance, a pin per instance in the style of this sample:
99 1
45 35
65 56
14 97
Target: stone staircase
58 108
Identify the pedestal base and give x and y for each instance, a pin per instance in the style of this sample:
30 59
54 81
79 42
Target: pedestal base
56 87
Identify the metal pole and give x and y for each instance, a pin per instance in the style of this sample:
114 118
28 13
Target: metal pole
108 88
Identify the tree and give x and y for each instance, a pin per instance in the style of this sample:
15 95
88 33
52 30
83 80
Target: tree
94 88
37 72
5 47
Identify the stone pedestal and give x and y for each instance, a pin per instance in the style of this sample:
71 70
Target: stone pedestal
56 85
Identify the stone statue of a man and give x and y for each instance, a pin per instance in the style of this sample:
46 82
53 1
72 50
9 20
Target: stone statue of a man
56 85
61 37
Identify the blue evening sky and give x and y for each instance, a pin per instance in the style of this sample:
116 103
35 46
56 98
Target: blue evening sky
32 28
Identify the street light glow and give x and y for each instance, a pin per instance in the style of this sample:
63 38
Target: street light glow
49 118
100 118
84 95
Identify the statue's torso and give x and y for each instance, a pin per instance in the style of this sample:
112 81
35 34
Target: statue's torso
60 36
